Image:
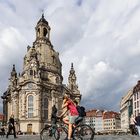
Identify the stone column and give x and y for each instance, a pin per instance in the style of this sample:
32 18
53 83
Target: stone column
9 110
24 105
15 108
37 105
52 97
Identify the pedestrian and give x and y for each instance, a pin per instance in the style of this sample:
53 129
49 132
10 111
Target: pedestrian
54 115
53 120
132 124
138 123
11 126
73 114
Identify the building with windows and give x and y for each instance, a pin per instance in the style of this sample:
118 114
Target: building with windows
126 109
31 94
99 121
94 118
130 104
90 118
111 121
102 120
136 99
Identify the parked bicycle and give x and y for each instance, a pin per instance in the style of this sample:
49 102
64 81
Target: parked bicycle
59 131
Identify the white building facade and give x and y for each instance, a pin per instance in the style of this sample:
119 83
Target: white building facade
99 121
111 121
126 109
103 120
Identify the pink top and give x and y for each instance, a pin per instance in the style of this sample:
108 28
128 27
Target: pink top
72 108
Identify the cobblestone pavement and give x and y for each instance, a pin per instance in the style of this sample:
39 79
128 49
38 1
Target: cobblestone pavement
124 137
11 137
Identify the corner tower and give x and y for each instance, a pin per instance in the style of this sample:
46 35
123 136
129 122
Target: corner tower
72 85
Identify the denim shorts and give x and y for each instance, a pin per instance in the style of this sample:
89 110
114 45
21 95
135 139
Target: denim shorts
72 119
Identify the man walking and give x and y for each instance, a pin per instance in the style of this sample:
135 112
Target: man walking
11 126
138 123
54 115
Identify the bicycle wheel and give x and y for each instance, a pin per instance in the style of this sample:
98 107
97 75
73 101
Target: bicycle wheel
83 132
49 134
63 133
56 133
43 133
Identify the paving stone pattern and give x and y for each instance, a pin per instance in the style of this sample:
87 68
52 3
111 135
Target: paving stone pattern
109 137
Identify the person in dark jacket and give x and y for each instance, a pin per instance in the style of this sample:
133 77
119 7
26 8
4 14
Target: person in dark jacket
54 115
11 126
138 123
53 120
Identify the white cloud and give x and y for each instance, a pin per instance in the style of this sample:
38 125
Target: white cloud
101 38
10 40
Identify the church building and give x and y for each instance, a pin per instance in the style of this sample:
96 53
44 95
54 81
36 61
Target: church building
32 93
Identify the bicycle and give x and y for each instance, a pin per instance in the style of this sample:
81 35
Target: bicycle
83 132
60 132
54 131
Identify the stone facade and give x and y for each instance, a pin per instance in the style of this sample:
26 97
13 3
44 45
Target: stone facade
31 94
126 109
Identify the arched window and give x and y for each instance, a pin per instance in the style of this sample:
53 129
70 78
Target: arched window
45 108
31 72
57 79
34 73
38 31
44 32
30 106
53 58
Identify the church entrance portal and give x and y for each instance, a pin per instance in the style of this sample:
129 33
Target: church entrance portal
29 128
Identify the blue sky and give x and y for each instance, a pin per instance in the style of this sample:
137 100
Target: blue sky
101 38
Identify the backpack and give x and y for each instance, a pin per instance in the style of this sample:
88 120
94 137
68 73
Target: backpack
81 111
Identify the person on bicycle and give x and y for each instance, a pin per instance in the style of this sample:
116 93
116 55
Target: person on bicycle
81 111
73 114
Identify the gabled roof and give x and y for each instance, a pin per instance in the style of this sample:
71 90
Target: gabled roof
110 115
